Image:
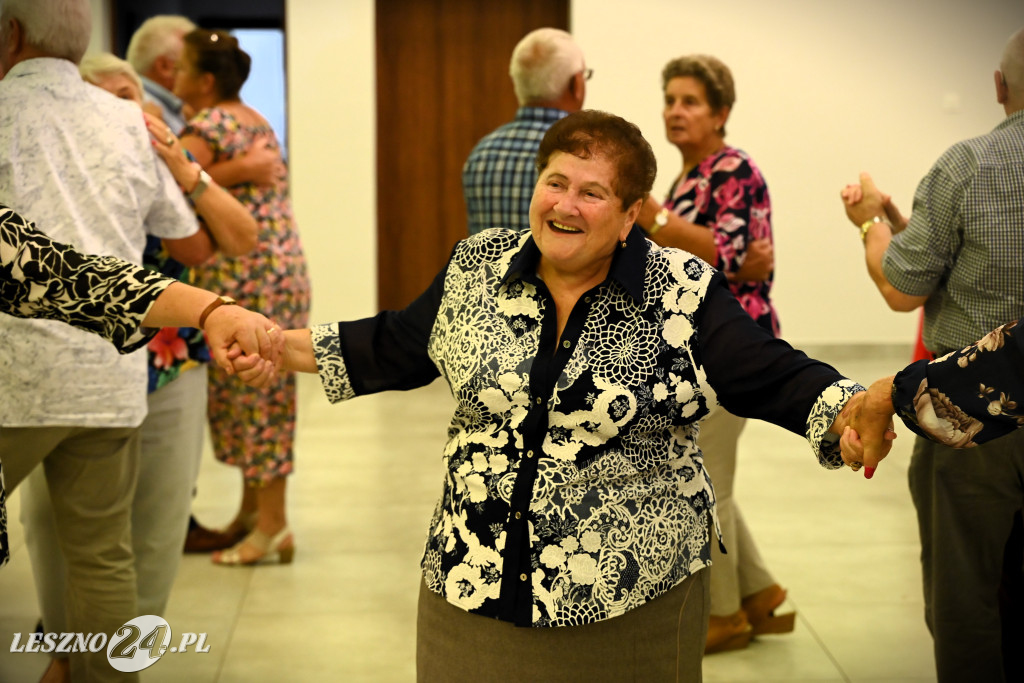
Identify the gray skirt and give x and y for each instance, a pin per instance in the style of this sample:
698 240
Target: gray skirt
661 641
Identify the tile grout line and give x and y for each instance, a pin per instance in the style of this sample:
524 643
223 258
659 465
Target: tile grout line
818 639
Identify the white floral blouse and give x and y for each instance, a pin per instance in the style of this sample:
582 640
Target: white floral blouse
575 490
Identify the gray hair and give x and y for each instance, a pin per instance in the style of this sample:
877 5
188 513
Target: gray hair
158 36
1012 67
97 66
58 28
543 63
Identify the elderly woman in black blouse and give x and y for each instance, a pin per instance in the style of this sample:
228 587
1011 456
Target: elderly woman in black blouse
581 357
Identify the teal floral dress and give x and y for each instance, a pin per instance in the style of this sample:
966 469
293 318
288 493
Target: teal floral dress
254 428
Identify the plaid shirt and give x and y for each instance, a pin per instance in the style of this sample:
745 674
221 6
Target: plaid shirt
499 175
965 240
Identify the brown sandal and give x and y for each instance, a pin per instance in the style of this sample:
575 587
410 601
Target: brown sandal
760 608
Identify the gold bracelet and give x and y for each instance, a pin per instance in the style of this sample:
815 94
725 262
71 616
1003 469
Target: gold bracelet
866 225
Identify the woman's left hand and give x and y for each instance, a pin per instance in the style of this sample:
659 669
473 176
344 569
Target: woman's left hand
166 144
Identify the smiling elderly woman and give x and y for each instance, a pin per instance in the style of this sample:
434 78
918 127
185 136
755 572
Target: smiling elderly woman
581 357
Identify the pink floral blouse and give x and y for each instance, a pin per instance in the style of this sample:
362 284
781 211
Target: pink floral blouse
727 193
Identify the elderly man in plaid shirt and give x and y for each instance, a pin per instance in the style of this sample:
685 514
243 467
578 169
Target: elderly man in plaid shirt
959 255
549 76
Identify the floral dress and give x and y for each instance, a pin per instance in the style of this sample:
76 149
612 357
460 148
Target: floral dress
969 396
726 193
254 428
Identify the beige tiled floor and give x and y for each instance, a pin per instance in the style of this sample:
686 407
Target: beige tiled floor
367 476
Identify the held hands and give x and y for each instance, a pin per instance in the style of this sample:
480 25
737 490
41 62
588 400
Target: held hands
864 201
867 428
234 333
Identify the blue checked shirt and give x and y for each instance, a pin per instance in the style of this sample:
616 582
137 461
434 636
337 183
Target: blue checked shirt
963 245
499 175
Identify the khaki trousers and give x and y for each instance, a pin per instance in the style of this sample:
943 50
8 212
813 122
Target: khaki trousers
91 474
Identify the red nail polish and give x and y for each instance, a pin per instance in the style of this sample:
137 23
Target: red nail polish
869 472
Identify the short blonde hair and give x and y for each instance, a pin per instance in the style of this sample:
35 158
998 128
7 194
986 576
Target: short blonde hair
542 64
158 36
98 65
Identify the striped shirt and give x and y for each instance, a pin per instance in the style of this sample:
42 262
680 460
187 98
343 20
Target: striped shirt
965 240
499 175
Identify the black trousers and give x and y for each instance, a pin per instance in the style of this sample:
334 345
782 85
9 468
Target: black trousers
969 506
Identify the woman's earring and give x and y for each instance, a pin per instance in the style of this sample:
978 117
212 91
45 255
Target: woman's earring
623 244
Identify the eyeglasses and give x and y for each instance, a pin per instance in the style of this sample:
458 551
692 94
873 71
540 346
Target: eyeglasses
587 73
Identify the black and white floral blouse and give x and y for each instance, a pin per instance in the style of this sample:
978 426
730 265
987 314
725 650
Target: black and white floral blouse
40 278
969 396
575 490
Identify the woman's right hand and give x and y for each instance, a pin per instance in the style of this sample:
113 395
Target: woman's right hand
263 161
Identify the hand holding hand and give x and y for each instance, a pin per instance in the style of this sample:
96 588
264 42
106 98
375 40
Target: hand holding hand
233 330
252 369
864 201
867 430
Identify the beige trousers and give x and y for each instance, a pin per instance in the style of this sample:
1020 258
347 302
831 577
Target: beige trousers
91 474
741 571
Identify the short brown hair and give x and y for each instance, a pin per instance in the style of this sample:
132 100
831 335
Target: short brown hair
591 133
711 71
217 53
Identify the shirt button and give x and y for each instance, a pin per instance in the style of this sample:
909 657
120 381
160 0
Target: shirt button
529 454
586 300
522 577
519 515
566 344
539 400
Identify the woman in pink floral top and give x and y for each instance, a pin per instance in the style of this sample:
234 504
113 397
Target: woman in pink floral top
719 209
252 429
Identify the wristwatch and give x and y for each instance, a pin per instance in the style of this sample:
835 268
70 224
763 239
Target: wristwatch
866 225
660 221
214 305
201 185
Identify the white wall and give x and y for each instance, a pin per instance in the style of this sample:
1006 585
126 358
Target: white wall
332 131
825 89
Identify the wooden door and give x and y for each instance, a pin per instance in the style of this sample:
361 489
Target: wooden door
442 84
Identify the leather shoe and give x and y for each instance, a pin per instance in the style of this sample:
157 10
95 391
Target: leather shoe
203 540
731 632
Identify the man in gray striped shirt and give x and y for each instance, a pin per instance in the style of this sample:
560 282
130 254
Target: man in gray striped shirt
961 256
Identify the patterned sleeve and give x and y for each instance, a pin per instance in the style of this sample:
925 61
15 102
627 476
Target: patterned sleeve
825 411
208 126
969 396
40 278
739 205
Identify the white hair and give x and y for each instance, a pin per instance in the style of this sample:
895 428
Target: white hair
99 65
542 64
58 28
1012 67
159 36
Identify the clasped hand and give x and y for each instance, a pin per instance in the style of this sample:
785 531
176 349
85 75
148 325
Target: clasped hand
866 427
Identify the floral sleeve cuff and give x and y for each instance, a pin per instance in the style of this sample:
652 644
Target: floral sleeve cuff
330 363
825 411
